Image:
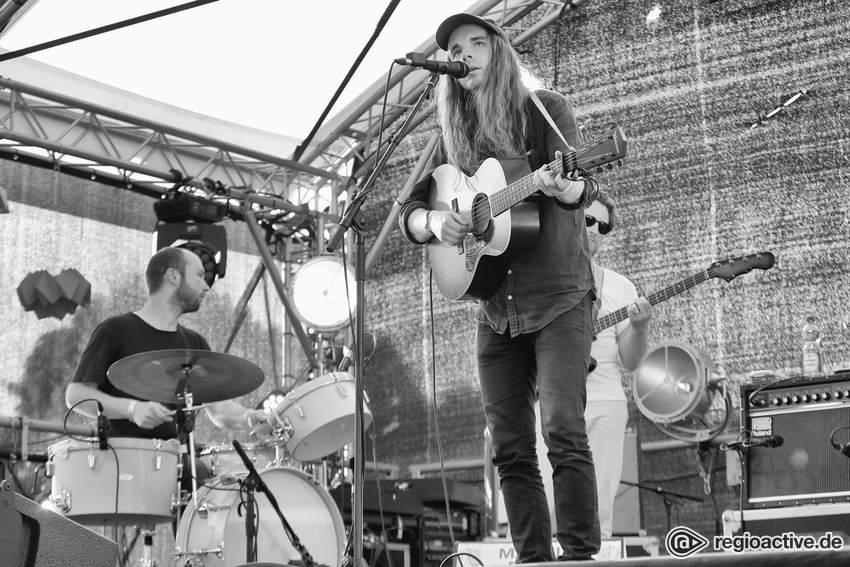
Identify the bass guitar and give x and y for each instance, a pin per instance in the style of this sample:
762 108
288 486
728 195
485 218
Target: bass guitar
491 201
727 270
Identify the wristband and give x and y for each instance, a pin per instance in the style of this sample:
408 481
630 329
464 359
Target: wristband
428 223
130 409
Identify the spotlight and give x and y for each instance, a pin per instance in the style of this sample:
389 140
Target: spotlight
320 293
207 241
674 387
274 399
653 15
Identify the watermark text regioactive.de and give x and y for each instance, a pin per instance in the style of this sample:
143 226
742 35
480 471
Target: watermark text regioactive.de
684 542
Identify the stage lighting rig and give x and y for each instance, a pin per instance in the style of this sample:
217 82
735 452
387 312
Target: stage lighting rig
180 207
675 386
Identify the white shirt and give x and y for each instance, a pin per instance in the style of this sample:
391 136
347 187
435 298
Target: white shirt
605 382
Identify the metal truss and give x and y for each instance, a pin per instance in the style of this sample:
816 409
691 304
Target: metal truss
296 198
79 138
354 132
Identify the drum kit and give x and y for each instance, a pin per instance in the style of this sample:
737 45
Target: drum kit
137 481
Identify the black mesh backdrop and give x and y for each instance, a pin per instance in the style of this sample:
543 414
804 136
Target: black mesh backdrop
700 184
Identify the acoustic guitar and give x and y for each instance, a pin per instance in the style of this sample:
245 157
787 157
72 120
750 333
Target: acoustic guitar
493 202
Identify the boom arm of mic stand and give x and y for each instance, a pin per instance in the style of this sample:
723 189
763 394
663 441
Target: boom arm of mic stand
254 481
353 214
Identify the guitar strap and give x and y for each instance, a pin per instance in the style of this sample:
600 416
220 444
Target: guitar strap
598 277
546 115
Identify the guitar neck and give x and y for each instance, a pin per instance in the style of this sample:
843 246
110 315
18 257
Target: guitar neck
622 314
504 199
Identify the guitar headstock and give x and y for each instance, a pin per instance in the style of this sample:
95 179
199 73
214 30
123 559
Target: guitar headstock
603 150
730 269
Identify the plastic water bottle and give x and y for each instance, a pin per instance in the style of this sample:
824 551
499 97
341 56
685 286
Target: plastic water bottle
811 347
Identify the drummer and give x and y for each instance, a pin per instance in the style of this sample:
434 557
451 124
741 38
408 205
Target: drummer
176 285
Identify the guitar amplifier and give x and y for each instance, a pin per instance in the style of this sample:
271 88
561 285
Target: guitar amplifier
805 468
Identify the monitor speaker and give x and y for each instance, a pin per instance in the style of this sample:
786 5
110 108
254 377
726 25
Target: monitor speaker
805 468
32 536
628 504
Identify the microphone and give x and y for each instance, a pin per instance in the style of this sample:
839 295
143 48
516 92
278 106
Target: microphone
456 69
769 441
103 427
345 363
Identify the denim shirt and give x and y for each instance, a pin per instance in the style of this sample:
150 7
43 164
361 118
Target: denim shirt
557 274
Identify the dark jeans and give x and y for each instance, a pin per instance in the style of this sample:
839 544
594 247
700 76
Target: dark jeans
553 362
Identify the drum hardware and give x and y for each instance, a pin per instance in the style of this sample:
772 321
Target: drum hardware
196 553
147 548
282 429
61 501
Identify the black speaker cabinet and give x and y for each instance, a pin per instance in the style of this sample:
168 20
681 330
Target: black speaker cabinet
628 504
805 468
31 536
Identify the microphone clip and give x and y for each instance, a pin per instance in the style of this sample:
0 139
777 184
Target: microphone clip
103 427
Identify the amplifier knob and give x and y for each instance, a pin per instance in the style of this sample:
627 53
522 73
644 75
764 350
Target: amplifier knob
776 401
795 399
816 397
806 398
785 400
826 395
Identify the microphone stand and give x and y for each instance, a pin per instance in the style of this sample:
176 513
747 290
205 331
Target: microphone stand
354 217
252 483
667 495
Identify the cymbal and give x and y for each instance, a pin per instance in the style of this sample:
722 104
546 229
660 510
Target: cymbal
164 376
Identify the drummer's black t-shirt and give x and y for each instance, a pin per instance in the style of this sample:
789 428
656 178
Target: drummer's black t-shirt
122 336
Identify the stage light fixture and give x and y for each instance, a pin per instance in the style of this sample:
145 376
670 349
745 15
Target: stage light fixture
180 207
320 293
272 400
675 386
207 241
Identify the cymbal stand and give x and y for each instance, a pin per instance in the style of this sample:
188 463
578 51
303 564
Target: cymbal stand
355 218
147 548
188 426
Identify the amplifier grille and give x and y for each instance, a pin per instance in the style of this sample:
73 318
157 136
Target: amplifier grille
805 469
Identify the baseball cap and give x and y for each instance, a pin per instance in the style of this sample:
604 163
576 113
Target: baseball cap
451 23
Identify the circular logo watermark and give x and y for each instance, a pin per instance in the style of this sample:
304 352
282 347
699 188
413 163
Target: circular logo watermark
684 542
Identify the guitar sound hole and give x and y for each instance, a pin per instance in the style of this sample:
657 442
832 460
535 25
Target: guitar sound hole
480 214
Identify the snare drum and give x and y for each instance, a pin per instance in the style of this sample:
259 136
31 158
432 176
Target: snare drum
215 535
320 414
224 460
143 472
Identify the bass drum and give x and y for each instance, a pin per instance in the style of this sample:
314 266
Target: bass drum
216 537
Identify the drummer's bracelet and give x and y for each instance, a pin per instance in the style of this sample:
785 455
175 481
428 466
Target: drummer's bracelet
130 409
